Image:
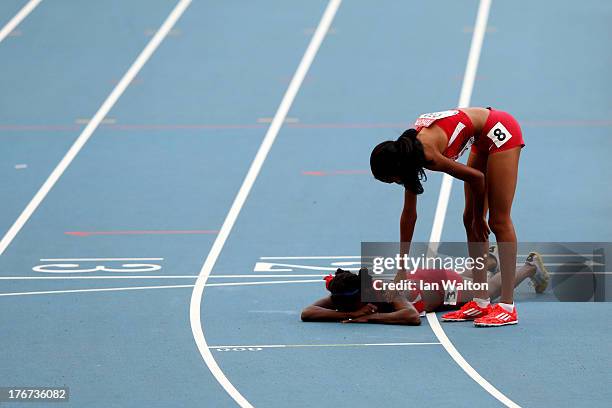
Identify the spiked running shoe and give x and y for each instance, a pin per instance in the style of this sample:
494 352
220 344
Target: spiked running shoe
469 311
497 316
541 278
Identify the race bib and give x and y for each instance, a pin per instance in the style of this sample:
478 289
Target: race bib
426 119
450 296
499 134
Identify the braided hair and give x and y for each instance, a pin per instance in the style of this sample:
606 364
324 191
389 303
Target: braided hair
345 288
403 158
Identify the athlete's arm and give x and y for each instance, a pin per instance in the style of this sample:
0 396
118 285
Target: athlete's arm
474 178
407 221
404 313
323 311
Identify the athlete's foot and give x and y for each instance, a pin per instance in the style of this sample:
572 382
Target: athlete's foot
497 316
469 311
541 277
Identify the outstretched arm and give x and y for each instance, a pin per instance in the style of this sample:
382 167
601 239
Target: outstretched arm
323 311
404 313
407 223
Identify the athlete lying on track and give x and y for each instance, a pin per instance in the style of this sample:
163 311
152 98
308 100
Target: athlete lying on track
344 304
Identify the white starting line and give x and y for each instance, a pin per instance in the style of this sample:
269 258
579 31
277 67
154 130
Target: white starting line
50 292
249 276
246 276
278 346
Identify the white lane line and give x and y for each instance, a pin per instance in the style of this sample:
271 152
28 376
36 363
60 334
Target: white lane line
18 18
326 345
582 273
49 292
464 101
252 276
269 120
110 101
469 370
255 275
262 282
443 198
310 257
567 255
99 259
359 257
100 277
105 121
569 264
267 267
245 188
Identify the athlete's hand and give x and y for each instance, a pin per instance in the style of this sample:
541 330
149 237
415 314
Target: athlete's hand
480 229
363 311
362 319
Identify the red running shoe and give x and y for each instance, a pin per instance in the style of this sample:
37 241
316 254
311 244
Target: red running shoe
497 316
469 311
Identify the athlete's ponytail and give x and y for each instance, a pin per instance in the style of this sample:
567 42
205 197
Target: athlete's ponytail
402 159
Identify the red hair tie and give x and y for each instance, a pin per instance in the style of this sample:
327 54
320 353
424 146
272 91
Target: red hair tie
328 280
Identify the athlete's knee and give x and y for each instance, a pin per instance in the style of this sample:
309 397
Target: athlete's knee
500 224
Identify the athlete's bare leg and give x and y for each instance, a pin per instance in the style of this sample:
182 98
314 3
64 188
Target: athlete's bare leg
522 273
495 282
490 266
502 172
476 249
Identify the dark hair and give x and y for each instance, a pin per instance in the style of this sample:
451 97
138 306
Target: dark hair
403 158
345 288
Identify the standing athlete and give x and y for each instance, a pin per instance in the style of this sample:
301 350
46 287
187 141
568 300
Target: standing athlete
489 177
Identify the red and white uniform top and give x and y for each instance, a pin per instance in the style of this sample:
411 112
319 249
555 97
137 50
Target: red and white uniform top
457 126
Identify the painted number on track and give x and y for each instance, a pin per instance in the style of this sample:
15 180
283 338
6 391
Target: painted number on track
239 349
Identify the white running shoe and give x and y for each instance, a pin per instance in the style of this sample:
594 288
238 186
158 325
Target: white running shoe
541 278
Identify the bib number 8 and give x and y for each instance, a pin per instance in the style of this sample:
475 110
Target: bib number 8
499 134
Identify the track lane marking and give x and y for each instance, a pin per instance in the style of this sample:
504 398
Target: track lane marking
587 274
311 257
245 188
465 366
269 346
99 259
49 292
92 125
18 18
249 276
443 199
